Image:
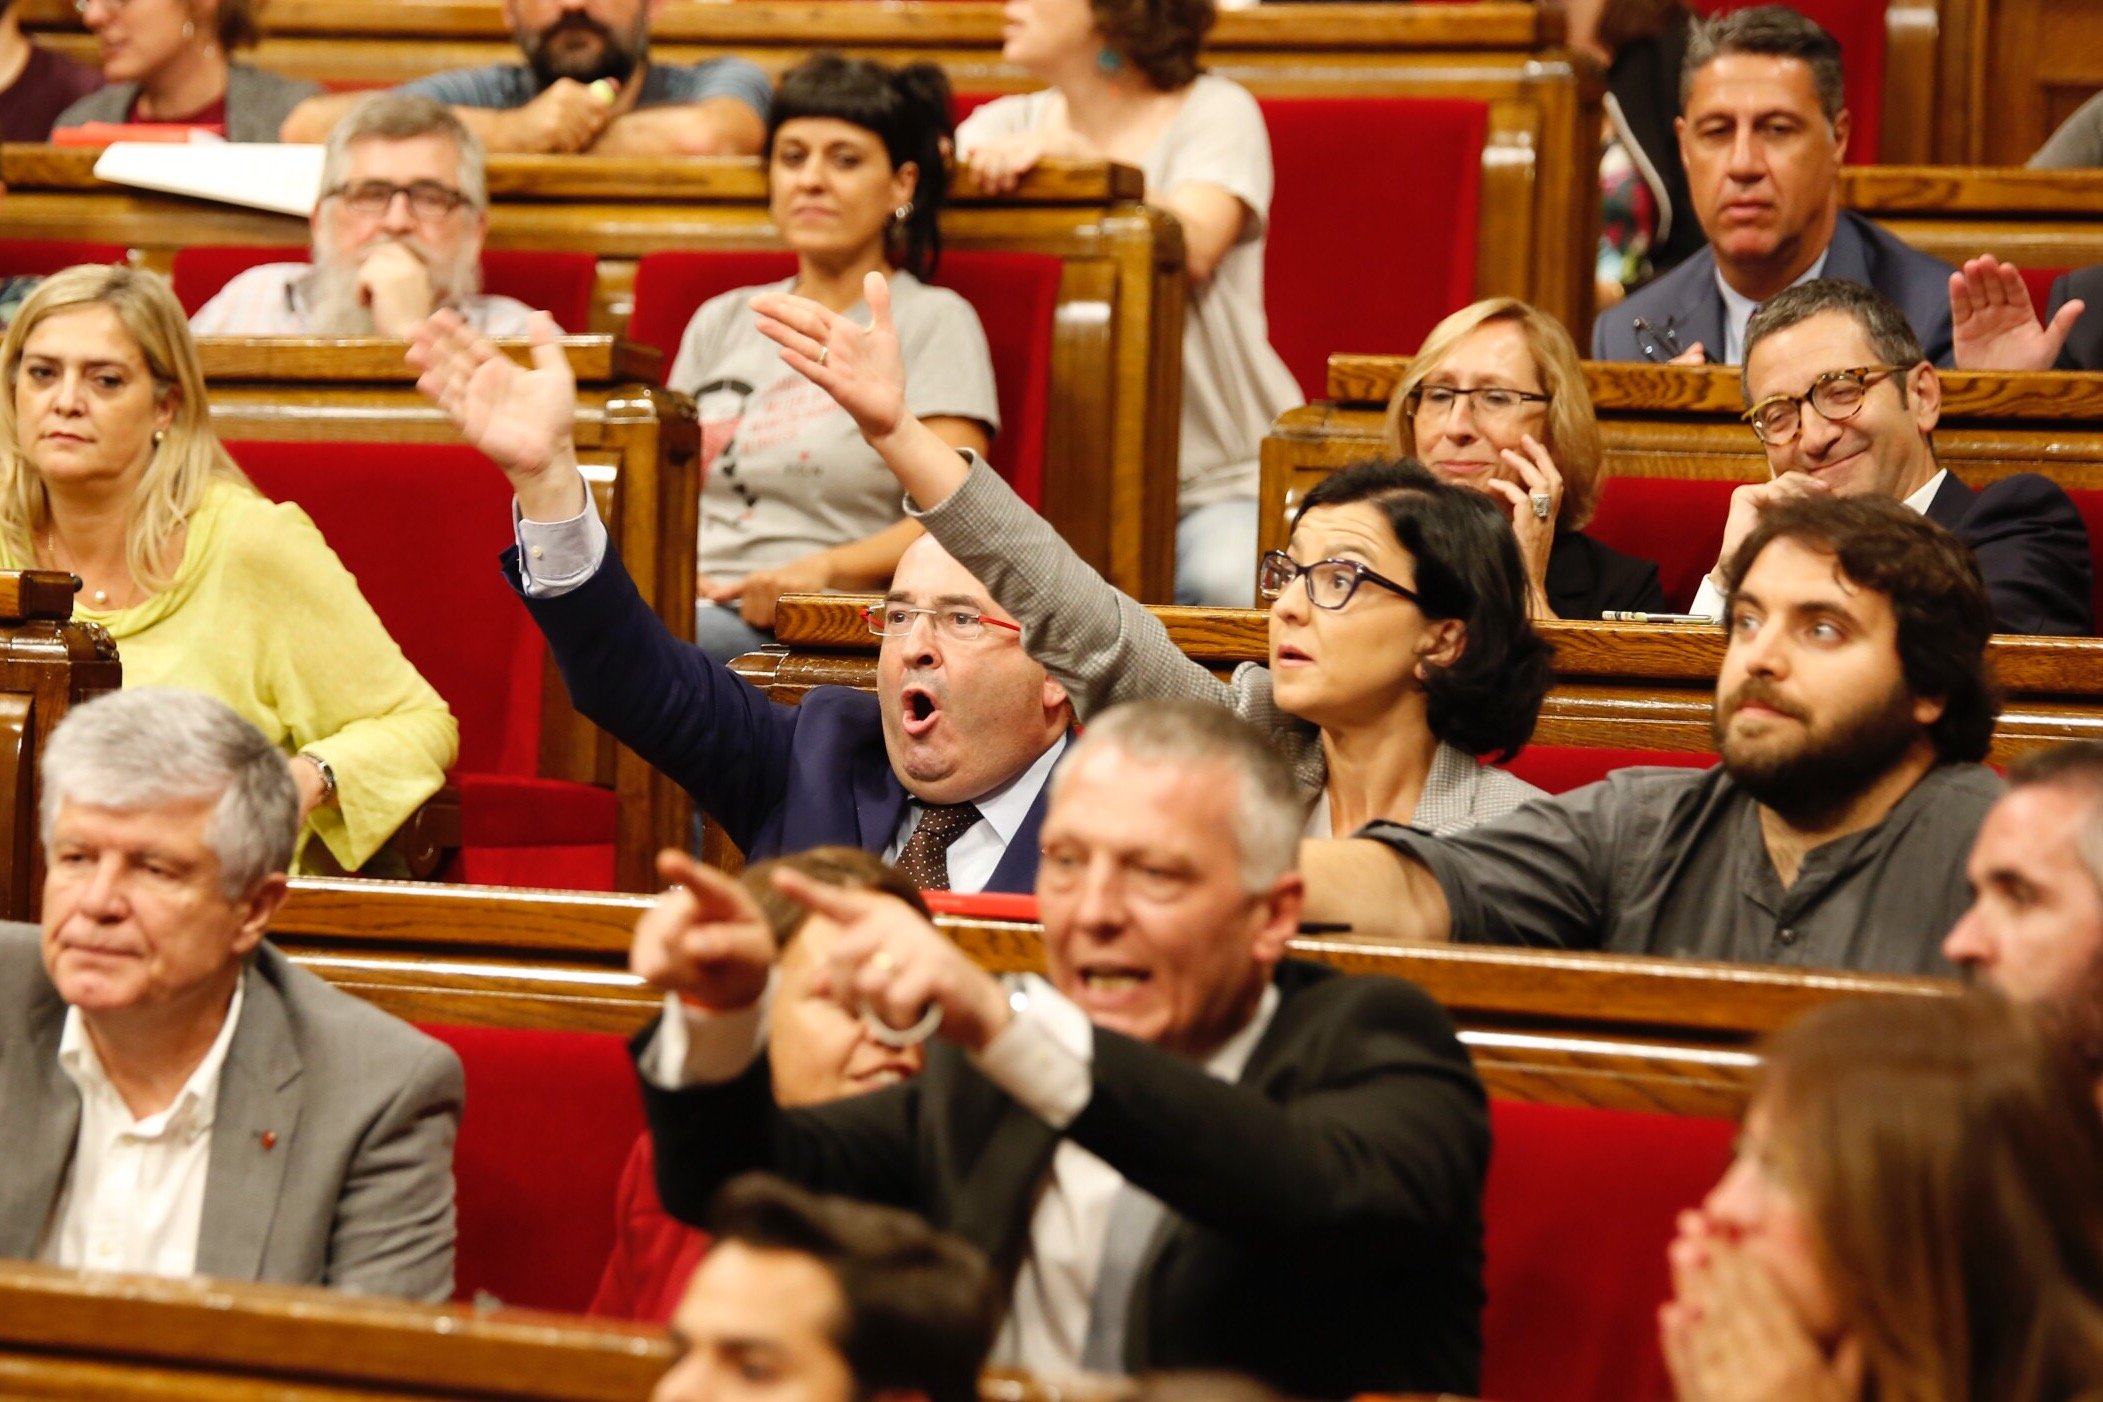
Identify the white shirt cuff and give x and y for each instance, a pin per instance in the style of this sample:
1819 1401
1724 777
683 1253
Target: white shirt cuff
1045 1056
555 557
694 1047
1708 599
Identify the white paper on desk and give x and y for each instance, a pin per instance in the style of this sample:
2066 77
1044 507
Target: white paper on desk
282 179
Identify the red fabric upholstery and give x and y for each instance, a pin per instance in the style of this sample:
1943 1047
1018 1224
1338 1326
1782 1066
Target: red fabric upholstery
1677 523
1386 187
2038 282
1578 1211
420 525
653 1252
1561 768
1859 27
2089 502
42 257
549 1119
561 283
1016 296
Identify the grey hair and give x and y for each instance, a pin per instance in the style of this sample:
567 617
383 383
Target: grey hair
1891 337
401 116
1772 31
155 746
2077 767
1270 808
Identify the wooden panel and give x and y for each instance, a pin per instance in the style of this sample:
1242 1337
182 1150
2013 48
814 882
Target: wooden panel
2037 218
2041 59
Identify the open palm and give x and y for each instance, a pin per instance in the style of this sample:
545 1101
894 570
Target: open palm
521 417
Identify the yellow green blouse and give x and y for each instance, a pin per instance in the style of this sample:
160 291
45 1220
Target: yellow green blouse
262 615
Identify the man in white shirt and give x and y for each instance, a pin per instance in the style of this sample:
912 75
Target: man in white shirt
1181 1148
1844 401
177 1097
398 233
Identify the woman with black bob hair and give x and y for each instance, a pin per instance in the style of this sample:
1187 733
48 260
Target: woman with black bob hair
1400 649
792 499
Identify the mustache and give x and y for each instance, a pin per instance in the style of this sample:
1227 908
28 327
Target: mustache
1759 691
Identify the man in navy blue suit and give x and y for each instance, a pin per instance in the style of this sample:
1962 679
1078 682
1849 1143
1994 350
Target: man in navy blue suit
1762 133
1844 401
942 771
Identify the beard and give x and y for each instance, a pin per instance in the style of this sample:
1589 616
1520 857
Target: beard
611 58
337 307
1830 768
2074 1014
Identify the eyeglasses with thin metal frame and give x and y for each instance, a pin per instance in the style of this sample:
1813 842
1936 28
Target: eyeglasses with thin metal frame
958 624
1330 583
1837 395
428 199
1488 401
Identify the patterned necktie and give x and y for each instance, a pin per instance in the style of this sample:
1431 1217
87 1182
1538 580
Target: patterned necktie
925 860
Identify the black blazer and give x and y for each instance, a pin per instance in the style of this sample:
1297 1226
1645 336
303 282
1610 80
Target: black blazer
2032 548
1586 578
1324 1230
2084 348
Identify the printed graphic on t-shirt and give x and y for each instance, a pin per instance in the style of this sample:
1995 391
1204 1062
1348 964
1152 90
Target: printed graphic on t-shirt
720 406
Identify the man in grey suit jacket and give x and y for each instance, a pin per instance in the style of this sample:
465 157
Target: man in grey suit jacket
1762 133
178 1097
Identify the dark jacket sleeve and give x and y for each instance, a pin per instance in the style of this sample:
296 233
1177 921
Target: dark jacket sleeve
1388 1141
2033 552
2084 347
715 734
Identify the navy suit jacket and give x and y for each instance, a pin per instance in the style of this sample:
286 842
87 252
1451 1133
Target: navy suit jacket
2084 348
779 778
2032 548
1686 298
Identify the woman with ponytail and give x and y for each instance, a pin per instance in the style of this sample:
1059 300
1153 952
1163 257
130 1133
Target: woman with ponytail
792 498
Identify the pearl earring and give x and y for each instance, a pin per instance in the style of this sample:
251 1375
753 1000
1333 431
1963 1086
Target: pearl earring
158 435
903 212
189 29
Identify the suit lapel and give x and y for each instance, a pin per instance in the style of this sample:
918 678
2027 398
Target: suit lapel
879 800
1847 256
253 1132
1704 321
1951 503
994 1203
41 1106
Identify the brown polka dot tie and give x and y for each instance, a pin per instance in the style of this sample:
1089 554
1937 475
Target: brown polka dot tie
925 858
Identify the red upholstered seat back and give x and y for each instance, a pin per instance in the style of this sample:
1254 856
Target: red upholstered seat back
2089 502
42 257
1561 768
550 1117
1578 1211
1677 523
2038 282
1859 27
559 283
1016 296
420 525
1373 223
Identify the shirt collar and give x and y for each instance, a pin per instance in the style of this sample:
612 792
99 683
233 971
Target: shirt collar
1007 806
1922 499
194 1106
1232 1058
1738 308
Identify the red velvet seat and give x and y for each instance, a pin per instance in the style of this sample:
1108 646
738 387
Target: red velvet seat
1373 223
2038 282
420 525
42 257
1561 768
1579 1208
1678 523
1016 296
549 1120
559 283
1859 27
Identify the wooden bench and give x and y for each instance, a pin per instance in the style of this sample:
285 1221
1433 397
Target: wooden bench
1116 388
2007 73
2035 218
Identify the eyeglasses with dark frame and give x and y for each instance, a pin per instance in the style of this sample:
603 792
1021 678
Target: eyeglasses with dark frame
1488 401
1330 583
1837 395
958 624
428 199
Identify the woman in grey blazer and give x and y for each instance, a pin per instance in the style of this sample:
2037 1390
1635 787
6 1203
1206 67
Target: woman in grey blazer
165 64
1400 650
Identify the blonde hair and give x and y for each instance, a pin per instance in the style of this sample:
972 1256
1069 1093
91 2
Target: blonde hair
1572 435
189 456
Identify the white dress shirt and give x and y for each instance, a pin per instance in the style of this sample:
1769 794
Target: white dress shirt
1708 599
1044 1058
134 1198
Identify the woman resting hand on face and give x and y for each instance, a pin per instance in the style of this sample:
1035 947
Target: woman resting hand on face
1495 400
1912 1216
1400 650
792 499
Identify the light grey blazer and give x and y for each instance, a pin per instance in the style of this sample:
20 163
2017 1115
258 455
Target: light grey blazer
257 103
332 1145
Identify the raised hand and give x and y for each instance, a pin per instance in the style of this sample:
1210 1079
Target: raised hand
521 418
1994 325
889 963
863 370
705 940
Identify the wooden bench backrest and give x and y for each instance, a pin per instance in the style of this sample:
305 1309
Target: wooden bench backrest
2036 218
